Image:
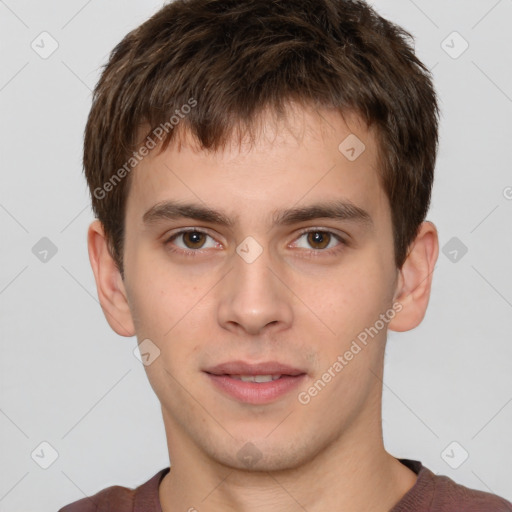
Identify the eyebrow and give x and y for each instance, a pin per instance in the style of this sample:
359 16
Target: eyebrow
339 210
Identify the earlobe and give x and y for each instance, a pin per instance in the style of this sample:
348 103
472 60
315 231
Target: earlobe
415 279
111 290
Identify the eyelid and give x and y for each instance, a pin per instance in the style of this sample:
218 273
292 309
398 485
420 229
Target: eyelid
343 237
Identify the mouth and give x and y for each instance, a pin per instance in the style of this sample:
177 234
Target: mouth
256 378
259 383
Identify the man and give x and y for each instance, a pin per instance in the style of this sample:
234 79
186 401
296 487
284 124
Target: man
261 173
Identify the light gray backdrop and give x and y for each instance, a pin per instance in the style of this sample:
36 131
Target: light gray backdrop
69 381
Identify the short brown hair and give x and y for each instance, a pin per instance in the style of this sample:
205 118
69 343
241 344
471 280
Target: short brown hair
235 58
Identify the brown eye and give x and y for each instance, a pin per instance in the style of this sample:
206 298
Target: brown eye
193 239
190 242
318 242
319 239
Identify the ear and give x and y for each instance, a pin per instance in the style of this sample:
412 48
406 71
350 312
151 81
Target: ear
415 279
109 283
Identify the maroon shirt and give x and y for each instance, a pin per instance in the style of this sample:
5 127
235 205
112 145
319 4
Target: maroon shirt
430 493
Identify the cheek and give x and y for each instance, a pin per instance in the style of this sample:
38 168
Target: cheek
349 298
161 293
172 311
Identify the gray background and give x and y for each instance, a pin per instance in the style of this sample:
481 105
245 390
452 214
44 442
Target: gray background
67 379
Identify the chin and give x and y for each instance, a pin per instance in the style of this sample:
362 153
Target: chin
261 454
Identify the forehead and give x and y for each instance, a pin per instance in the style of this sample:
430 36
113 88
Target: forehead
307 157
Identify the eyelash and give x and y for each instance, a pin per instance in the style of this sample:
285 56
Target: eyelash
313 252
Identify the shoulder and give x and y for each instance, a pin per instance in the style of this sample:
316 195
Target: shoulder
439 493
449 494
115 498
122 499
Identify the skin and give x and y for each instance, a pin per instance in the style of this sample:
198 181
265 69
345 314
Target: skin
287 306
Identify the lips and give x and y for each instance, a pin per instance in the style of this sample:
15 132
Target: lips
241 368
260 383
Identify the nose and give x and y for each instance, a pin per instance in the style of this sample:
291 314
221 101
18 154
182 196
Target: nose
254 296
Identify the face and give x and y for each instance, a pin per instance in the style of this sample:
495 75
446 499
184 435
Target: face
254 280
